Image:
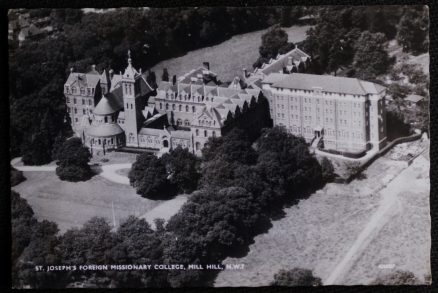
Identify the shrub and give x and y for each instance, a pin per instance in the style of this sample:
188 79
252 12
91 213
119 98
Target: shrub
328 171
148 175
296 277
73 161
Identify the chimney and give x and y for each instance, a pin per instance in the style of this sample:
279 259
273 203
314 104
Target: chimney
140 70
93 67
71 69
111 73
206 65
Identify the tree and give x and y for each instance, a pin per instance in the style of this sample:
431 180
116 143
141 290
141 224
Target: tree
73 161
371 58
149 176
165 75
296 277
182 167
413 32
273 42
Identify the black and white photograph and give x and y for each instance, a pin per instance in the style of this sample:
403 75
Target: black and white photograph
219 146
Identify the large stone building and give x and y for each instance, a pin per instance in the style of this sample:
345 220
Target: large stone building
343 114
110 110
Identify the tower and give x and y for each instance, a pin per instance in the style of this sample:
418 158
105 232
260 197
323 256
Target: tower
129 104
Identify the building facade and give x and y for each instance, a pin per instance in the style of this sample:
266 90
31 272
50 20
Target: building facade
339 113
111 111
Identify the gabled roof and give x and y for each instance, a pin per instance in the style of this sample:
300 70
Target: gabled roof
143 87
82 80
328 83
108 105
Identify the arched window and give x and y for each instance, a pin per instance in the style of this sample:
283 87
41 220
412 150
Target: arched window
193 109
197 132
187 108
205 133
173 107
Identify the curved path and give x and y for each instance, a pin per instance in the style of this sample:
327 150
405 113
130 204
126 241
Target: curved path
108 171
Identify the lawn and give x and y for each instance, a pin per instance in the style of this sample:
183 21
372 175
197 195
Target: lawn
319 232
228 58
71 204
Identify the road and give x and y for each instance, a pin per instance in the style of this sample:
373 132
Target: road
108 171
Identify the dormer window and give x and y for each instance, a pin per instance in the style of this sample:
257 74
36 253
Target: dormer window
88 91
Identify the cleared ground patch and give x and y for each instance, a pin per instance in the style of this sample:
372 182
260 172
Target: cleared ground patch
228 58
318 232
71 204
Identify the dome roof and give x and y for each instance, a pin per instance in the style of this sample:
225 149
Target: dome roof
106 107
104 130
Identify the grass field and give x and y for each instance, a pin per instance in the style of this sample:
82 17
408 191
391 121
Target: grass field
228 58
71 204
319 232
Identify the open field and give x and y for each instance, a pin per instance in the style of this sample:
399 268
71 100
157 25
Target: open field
344 232
227 58
71 204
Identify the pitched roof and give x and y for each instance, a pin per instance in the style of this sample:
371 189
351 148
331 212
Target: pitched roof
82 80
143 86
328 83
108 105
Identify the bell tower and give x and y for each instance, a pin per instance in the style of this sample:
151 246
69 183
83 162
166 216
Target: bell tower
129 104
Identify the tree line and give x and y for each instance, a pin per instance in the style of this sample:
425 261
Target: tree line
242 185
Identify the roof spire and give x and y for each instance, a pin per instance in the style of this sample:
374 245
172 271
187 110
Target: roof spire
129 56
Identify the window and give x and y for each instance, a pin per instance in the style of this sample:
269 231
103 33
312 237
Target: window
161 106
179 122
74 101
173 107
186 122
83 111
214 133
76 120
180 108
106 119
205 133
82 91
68 100
66 89
88 91
89 102
187 108
167 106
197 132
76 111
83 102
73 89
131 106
193 109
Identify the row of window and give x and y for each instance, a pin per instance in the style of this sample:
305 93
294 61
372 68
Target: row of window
318 91
73 90
186 97
84 101
75 110
213 133
180 107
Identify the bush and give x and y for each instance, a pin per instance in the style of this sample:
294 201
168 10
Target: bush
16 176
149 176
296 277
73 161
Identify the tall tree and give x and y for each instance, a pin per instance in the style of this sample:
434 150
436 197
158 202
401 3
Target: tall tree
73 161
413 33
